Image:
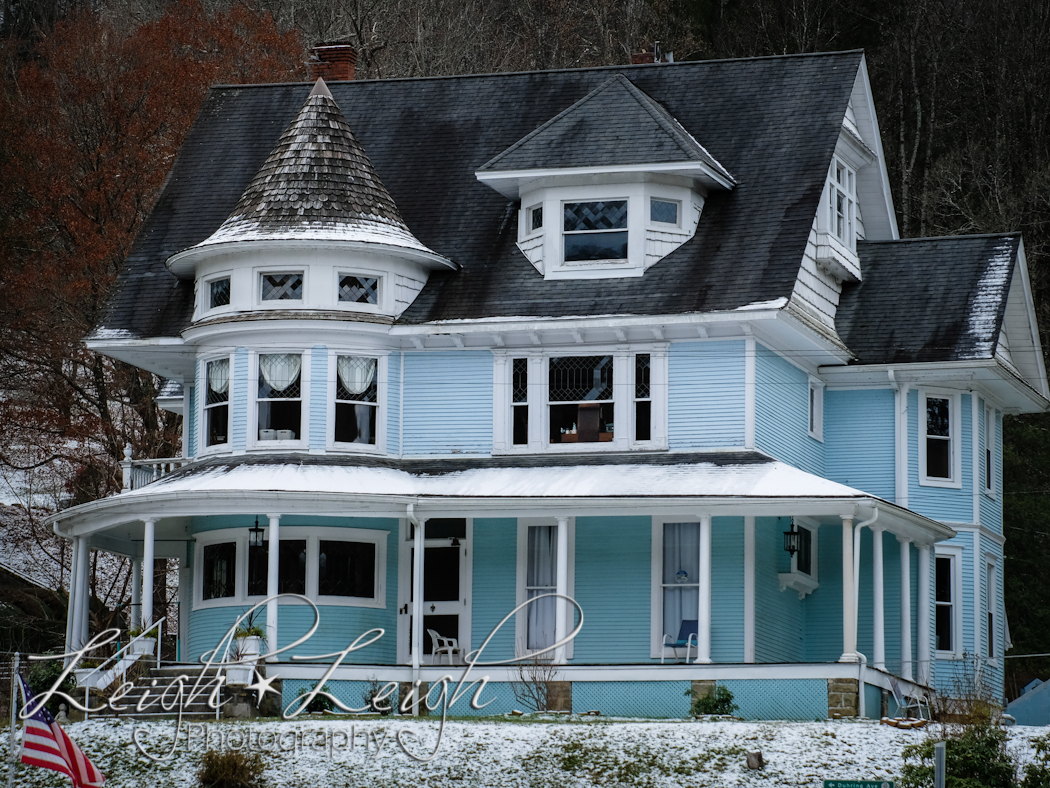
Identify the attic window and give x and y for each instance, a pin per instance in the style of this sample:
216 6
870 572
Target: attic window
842 200
595 230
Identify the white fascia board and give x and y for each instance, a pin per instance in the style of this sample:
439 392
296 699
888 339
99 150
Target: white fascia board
869 129
988 377
1036 348
169 357
273 330
509 182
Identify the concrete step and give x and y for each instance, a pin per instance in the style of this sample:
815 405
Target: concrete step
152 686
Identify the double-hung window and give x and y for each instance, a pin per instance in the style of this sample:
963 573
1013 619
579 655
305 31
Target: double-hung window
356 399
580 398
643 397
679 593
540 579
947 588
520 400
842 200
989 451
595 230
279 402
940 455
217 402
991 606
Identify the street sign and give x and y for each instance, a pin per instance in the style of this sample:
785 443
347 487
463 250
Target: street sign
858 784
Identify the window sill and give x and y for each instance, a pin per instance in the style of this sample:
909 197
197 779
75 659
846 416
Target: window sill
802 583
948 655
948 484
355 448
611 447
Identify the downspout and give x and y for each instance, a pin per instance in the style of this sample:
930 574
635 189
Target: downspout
416 632
863 664
901 477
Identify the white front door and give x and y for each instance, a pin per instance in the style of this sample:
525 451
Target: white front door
446 587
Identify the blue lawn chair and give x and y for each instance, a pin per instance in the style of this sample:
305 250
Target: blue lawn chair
687 638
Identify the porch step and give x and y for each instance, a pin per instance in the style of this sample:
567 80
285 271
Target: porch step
149 688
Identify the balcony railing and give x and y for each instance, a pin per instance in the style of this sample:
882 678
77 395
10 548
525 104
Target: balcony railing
139 473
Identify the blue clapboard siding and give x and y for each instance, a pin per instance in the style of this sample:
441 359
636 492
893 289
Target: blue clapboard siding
941 503
705 406
494 567
727 589
859 440
991 505
891 573
239 405
782 412
613 587
318 428
779 615
993 673
191 416
207 629
823 608
393 403
448 403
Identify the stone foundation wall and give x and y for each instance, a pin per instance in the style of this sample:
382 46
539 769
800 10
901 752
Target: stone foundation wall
843 698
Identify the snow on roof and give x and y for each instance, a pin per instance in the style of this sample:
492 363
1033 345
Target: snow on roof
750 480
991 293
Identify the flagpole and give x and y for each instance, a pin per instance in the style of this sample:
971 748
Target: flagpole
14 719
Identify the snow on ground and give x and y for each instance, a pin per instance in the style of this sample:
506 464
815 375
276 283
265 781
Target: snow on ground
526 753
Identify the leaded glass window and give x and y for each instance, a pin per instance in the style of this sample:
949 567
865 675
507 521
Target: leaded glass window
291 567
358 289
219 292
356 399
580 393
536 216
280 396
520 396
346 569
595 230
643 405
217 402
663 211
282 287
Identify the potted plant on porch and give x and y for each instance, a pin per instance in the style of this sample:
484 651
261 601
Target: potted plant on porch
140 645
248 639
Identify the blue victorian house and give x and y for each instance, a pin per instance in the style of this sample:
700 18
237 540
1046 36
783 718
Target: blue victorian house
645 337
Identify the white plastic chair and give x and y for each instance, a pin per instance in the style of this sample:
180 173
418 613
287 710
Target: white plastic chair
442 645
903 706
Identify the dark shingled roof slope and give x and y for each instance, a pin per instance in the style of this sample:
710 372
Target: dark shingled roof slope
930 299
317 183
773 123
614 123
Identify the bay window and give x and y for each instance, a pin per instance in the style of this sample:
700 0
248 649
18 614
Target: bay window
279 399
291 567
219 570
356 399
217 402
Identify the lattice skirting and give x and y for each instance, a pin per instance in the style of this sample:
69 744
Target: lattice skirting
654 699
779 699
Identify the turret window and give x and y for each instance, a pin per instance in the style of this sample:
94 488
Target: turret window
279 401
219 292
217 402
282 287
356 400
358 289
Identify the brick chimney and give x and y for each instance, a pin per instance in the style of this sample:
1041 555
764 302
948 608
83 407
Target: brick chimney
332 62
656 56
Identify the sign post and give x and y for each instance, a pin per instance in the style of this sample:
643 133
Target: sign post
858 784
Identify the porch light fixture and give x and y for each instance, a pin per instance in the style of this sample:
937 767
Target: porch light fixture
255 535
792 539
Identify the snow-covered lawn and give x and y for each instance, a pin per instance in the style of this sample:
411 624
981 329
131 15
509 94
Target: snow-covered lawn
315 753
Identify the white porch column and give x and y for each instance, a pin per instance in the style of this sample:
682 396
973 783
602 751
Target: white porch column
878 603
148 550
416 634
273 566
703 613
136 594
924 674
83 600
849 621
71 602
561 609
906 661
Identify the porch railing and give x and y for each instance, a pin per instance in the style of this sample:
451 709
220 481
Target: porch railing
117 665
139 473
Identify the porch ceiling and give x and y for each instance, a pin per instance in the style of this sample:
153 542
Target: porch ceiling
725 484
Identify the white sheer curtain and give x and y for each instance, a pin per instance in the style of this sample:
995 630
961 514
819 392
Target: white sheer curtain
219 376
681 575
540 578
356 374
280 370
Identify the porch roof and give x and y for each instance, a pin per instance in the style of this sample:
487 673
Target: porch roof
729 483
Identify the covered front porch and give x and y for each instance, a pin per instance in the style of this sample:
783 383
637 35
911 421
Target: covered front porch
850 604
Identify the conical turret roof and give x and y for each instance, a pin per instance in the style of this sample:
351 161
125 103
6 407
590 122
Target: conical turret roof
317 184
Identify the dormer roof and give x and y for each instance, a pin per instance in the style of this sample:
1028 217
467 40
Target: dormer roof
317 184
614 126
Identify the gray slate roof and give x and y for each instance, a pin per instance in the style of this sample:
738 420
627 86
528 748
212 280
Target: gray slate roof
773 123
583 136
317 183
928 299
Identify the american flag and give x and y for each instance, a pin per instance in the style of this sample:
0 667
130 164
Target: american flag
45 744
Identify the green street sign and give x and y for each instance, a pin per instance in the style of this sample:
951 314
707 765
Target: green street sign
858 784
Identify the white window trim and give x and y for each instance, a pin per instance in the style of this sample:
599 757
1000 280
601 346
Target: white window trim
304 396
991 605
384 302
656 601
801 582
313 536
956 554
204 307
539 412
955 431
850 243
381 399
662 226
991 446
257 298
815 391
203 448
521 622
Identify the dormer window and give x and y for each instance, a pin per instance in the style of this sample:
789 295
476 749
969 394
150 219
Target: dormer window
842 200
663 212
282 287
595 230
536 218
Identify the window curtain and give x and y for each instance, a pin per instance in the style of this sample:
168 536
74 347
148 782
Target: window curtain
356 374
681 575
219 376
280 370
540 579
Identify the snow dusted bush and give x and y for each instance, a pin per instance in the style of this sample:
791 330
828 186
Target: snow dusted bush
230 769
